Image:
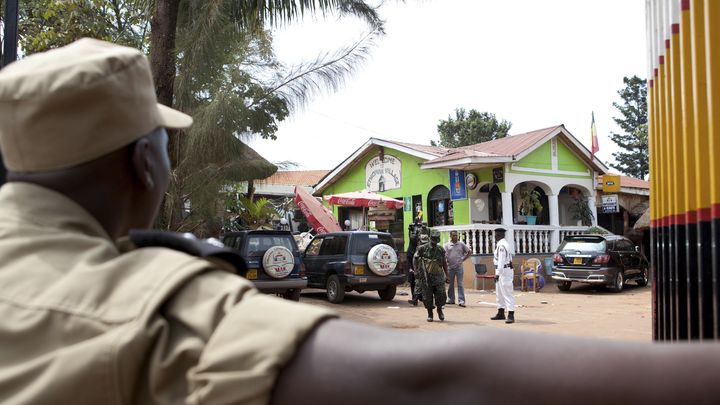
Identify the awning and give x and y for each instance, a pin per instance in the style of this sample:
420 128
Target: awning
363 199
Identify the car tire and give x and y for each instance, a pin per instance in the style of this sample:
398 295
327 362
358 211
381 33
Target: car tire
564 285
387 293
292 295
618 282
642 281
335 290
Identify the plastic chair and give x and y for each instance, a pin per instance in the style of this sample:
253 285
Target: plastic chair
530 270
481 274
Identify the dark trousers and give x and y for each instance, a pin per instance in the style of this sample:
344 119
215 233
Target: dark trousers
411 280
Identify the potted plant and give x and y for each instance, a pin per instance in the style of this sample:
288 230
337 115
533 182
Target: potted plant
581 211
530 205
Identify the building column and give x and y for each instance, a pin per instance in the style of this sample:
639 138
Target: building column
507 217
593 208
554 221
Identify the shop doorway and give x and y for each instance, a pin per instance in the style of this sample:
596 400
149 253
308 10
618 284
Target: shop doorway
440 207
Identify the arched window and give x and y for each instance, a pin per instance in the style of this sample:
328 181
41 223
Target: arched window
440 207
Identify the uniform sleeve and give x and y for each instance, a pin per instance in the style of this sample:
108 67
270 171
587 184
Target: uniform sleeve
243 337
502 256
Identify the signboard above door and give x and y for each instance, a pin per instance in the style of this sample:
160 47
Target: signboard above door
382 174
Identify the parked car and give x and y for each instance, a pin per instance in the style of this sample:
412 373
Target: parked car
273 261
340 262
609 260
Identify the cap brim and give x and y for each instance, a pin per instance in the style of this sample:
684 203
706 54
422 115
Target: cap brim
171 118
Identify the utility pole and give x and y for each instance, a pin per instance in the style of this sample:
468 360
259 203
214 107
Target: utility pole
9 55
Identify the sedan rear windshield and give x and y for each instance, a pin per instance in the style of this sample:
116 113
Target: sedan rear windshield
258 244
582 246
363 243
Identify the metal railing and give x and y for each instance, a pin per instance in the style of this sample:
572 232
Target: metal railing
529 239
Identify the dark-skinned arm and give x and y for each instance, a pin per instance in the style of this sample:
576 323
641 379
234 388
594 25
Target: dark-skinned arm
351 363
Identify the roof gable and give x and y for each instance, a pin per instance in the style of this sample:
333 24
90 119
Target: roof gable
423 152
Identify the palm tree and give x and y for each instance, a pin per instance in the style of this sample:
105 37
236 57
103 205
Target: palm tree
220 77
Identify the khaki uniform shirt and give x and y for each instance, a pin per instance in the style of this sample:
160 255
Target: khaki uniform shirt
83 323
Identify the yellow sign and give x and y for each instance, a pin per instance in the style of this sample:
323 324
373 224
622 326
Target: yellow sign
611 183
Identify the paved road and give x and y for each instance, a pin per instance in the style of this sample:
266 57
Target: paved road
583 311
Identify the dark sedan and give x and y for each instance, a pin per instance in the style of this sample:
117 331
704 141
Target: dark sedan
608 260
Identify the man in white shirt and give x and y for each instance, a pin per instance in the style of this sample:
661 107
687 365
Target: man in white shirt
502 258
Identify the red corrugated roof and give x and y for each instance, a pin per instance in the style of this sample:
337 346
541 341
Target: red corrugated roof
462 153
433 150
295 177
512 145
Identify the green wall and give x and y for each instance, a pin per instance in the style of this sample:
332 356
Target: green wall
414 181
540 158
568 161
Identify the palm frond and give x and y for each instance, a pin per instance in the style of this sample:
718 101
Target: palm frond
327 73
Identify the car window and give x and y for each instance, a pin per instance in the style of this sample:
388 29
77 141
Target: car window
582 246
334 245
229 241
260 243
363 243
314 248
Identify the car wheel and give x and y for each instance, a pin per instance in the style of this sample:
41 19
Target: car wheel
335 290
387 293
618 282
292 295
643 280
564 285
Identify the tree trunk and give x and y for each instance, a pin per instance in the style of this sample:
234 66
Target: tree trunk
163 28
251 190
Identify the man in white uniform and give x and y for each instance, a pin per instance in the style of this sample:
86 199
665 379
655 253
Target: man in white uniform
502 259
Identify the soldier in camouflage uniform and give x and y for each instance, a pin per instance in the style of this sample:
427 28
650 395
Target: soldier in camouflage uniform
419 273
430 261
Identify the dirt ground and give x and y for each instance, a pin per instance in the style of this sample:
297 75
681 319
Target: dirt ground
582 311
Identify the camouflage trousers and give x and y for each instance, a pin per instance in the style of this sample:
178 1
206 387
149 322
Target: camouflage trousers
434 287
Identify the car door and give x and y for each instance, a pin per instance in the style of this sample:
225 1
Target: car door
333 254
313 263
627 251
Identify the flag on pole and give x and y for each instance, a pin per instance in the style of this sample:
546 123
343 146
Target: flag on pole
593 132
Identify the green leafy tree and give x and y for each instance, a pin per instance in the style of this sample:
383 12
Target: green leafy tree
632 160
46 24
469 128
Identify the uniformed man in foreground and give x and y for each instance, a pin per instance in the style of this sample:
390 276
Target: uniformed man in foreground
504 275
429 260
85 320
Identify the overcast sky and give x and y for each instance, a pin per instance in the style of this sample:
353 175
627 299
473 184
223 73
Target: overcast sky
534 63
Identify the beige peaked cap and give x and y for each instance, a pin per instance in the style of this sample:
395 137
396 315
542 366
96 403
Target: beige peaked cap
73 104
